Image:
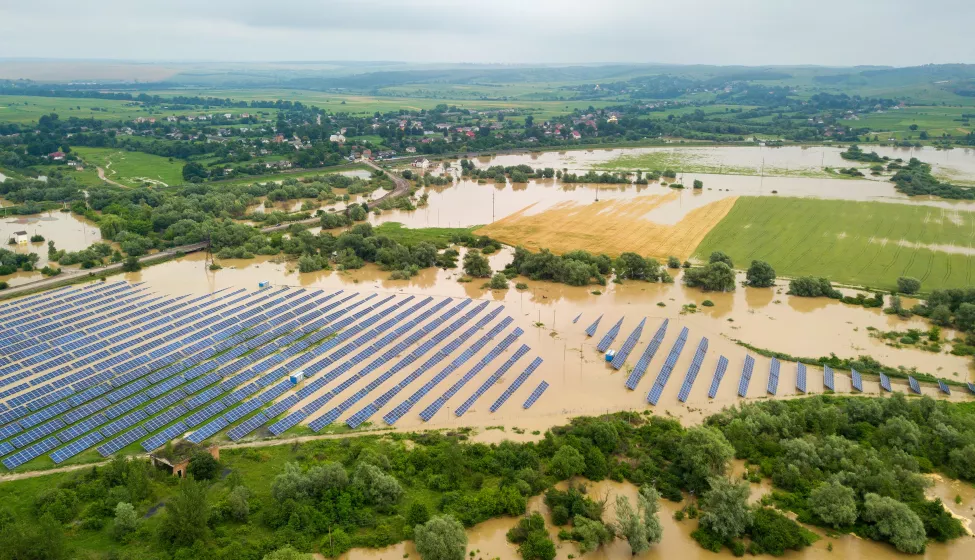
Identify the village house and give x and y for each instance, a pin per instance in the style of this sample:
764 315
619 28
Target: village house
576 135
56 156
21 237
337 138
421 163
171 119
411 149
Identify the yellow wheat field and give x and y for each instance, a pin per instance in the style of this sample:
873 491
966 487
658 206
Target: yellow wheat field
610 226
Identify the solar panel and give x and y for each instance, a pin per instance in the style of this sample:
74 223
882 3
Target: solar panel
718 376
576 320
160 439
518 382
610 336
857 380
693 370
123 440
32 452
971 388
591 329
658 386
491 381
829 378
247 426
628 345
80 428
885 383
208 430
535 395
644 362
914 385
773 376
76 447
746 376
801 375
943 387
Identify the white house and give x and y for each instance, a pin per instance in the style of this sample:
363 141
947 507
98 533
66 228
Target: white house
421 163
21 237
337 138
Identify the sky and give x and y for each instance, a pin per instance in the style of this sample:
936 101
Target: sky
746 32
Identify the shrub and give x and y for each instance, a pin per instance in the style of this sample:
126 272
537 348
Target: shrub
907 285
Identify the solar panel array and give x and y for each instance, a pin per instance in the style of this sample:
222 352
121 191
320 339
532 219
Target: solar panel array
576 320
857 380
719 371
829 378
648 353
535 395
746 376
773 376
685 390
610 336
628 345
885 383
491 381
914 385
801 377
518 382
591 329
658 386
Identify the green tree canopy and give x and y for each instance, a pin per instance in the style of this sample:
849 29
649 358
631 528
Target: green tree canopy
703 453
726 512
895 522
834 503
441 538
760 275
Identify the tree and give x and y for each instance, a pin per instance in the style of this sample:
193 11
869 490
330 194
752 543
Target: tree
808 286
285 553
895 522
417 514
726 512
760 275
718 256
43 540
712 277
237 503
291 484
631 266
649 503
203 466
357 213
441 538
834 503
325 477
567 462
703 453
194 172
590 533
673 262
963 461
499 281
908 285
630 527
698 184
187 513
126 521
476 265
379 488
131 264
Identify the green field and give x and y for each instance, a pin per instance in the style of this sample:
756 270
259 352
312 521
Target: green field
24 109
856 243
133 169
896 123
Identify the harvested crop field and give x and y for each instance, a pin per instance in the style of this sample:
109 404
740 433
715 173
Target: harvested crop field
857 243
611 227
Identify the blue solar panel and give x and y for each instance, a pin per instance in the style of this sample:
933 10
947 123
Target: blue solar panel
76 447
491 381
885 383
658 386
160 439
943 387
971 388
81 428
746 376
628 345
829 378
576 320
591 329
718 376
914 385
644 362
165 418
123 440
36 450
208 430
124 422
247 426
518 382
857 380
535 395
773 376
801 376
610 336
692 371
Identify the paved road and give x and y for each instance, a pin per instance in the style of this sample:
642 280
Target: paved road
80 273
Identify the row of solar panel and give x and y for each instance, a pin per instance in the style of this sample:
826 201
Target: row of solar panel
658 386
628 346
648 353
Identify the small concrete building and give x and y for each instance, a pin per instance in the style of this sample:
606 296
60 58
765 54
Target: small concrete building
21 237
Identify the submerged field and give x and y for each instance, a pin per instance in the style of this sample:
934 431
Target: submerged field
860 243
134 169
610 226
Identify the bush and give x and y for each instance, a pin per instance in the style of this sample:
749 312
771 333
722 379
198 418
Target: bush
203 466
673 262
521 286
499 281
808 286
713 277
37 238
698 184
441 538
908 286
707 303
760 275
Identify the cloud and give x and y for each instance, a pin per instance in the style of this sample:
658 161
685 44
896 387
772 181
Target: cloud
747 32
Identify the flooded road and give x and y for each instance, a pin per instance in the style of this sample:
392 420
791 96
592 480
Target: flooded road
69 231
487 540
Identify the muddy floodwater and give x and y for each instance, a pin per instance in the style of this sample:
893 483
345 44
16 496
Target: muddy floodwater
487 540
581 382
69 232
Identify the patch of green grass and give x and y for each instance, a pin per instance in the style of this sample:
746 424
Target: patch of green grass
134 169
410 236
856 243
691 161
26 109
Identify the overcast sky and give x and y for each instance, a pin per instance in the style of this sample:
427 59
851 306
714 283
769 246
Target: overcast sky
750 32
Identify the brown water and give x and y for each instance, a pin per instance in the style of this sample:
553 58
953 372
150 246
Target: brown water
68 231
581 382
487 540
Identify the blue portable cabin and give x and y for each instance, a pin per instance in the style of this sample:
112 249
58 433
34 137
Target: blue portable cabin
610 354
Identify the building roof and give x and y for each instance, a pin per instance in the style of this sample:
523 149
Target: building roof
20 233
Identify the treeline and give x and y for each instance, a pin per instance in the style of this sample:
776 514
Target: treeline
9 87
858 464
916 179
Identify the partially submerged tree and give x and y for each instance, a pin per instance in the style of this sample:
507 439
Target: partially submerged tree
441 538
